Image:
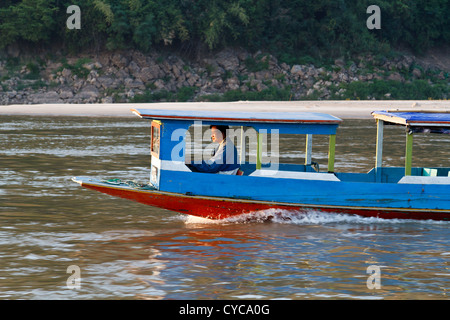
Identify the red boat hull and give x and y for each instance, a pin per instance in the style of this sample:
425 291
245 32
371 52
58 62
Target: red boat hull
222 208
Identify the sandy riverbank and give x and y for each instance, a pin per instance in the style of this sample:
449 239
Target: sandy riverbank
342 109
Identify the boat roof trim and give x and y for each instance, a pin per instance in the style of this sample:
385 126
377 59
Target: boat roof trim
438 118
244 117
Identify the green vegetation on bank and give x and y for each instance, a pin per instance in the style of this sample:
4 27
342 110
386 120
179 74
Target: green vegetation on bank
357 90
290 29
395 90
183 94
310 50
187 94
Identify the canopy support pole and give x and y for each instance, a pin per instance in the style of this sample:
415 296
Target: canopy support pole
308 149
379 150
259 150
331 152
242 154
408 156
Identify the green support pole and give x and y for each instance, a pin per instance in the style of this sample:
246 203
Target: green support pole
331 152
308 150
259 151
408 156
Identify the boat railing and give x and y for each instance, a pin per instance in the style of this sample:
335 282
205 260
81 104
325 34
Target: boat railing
394 175
318 176
425 180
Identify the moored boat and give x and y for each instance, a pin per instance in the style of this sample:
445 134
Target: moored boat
386 192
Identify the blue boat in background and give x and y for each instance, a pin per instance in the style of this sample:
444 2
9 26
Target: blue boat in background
385 192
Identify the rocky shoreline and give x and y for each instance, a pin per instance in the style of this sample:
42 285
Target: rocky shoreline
131 76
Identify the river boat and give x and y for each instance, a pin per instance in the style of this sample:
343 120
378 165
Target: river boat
384 192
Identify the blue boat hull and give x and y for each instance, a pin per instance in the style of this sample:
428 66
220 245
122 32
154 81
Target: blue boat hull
339 194
196 194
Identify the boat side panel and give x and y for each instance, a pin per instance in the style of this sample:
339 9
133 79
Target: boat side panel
311 192
216 208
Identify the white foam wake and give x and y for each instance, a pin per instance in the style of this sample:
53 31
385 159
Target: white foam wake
309 217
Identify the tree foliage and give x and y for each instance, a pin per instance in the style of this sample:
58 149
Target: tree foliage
27 20
289 28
